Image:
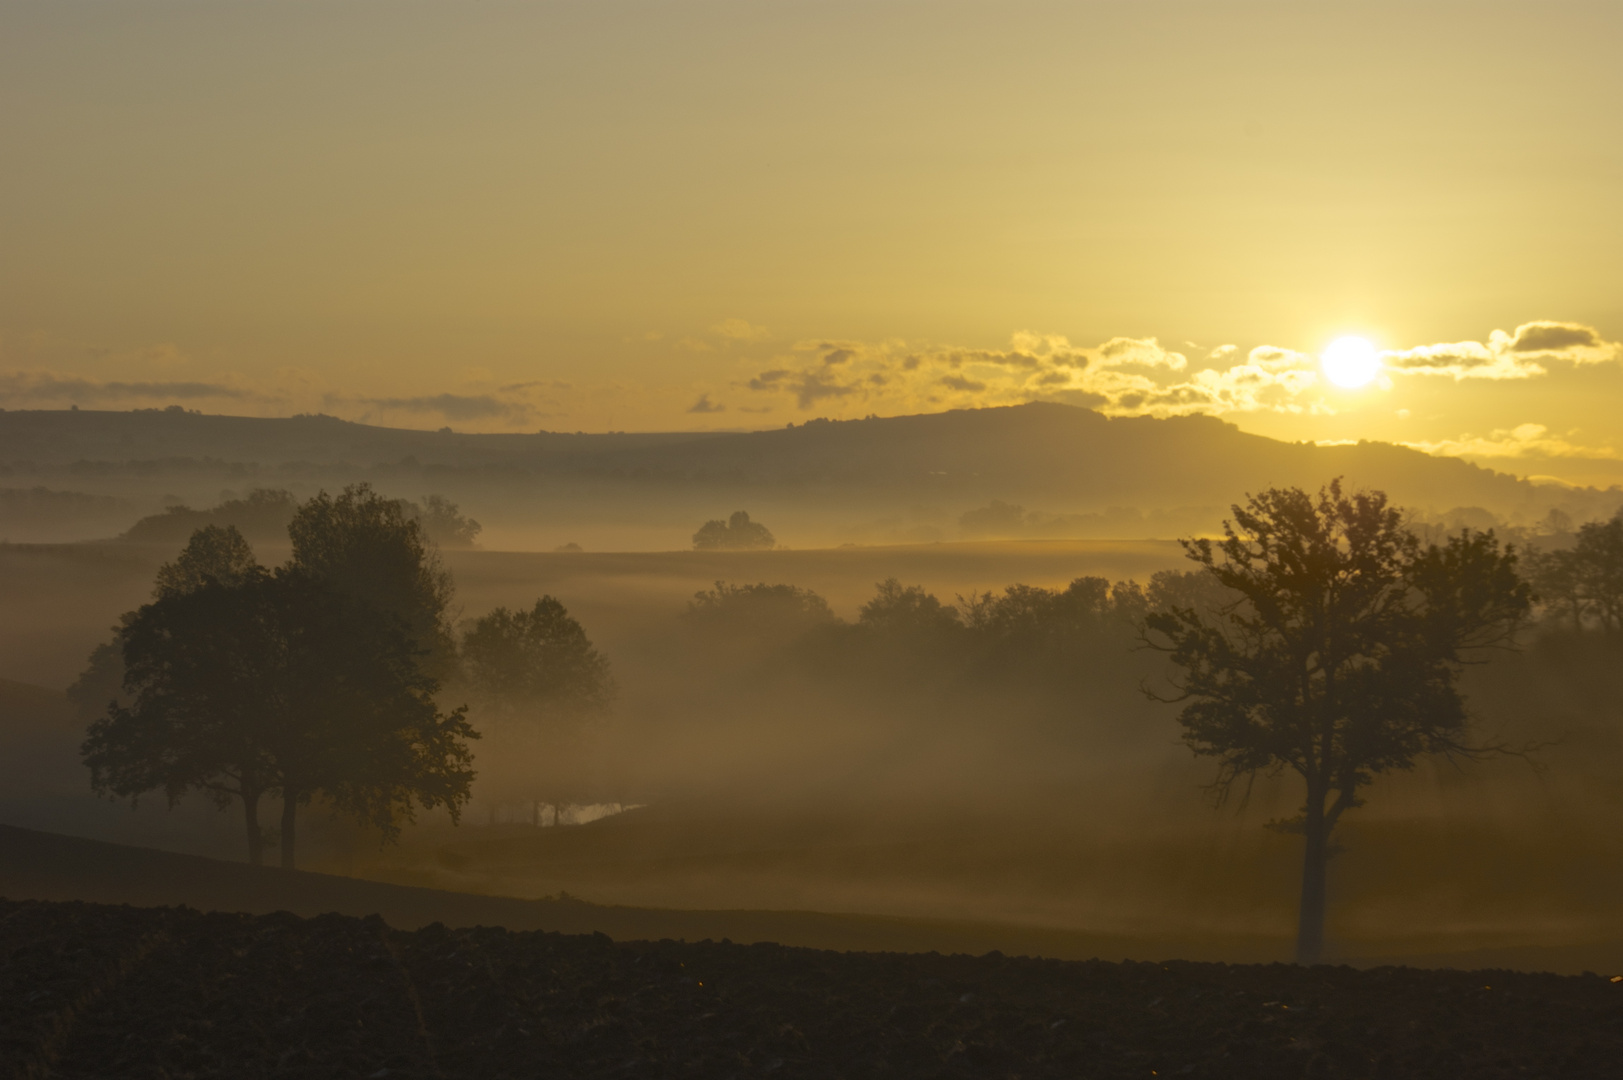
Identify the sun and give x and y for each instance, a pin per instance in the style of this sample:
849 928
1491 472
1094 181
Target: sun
1350 362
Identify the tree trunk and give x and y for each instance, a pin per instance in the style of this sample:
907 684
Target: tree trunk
290 806
1315 855
256 839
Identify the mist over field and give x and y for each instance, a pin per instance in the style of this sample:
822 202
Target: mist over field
989 755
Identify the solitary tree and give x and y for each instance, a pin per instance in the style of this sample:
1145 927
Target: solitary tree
536 675
737 532
278 685
445 523
539 659
1337 655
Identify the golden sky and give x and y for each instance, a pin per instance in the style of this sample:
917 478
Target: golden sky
638 216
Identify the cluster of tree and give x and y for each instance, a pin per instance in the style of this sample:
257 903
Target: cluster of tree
318 680
737 533
265 513
1582 585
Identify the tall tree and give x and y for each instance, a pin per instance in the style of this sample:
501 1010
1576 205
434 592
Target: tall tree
1337 656
376 550
278 685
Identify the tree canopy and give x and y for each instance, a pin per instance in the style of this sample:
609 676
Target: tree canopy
540 659
375 550
737 532
1338 653
1584 583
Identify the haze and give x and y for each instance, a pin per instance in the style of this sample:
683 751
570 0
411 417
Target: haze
967 299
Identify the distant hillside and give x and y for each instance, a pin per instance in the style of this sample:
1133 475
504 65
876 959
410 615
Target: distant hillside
824 478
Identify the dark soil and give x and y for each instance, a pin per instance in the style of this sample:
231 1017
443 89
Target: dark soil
100 991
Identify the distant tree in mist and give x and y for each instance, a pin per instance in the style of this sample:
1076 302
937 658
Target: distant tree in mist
445 524
997 518
736 533
1337 654
278 684
1584 583
1032 615
761 612
906 609
262 514
538 661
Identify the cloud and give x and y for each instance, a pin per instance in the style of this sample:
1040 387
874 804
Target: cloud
1524 440
705 405
1555 337
43 387
1524 354
1122 376
449 406
739 330
1140 352
535 384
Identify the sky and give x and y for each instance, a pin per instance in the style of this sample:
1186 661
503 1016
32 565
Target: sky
689 215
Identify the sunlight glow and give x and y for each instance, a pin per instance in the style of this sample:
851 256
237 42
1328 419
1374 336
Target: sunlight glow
1350 362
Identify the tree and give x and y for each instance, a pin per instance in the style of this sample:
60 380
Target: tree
1338 656
537 676
906 610
737 532
1585 581
375 550
278 685
445 523
539 658
767 614
214 552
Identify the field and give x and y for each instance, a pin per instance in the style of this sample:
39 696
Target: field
92 990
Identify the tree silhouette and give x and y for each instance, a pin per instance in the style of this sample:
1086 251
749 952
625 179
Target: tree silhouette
214 552
737 532
760 612
217 552
278 684
906 610
539 659
1338 655
376 550
445 523
1585 581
